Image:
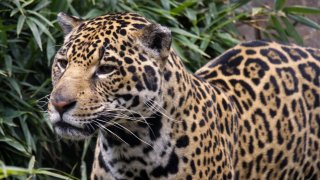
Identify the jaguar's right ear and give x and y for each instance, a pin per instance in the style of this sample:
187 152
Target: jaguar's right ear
157 39
67 22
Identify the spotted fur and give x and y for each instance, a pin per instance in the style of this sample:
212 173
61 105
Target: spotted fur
252 113
276 89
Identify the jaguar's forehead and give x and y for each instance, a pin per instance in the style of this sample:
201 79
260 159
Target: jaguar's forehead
92 37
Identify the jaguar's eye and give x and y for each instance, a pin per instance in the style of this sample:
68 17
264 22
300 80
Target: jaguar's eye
105 69
62 63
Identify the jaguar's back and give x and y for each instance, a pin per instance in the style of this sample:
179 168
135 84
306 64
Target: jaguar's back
276 89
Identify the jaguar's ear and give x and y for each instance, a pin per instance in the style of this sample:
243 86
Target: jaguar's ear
67 22
158 39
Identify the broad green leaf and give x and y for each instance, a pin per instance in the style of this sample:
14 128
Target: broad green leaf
192 46
41 4
3 73
50 50
27 134
179 50
8 64
192 15
184 33
290 29
26 3
1 131
10 114
277 26
163 13
13 83
93 13
182 6
18 171
41 17
83 168
217 47
31 163
301 10
14 12
204 43
278 4
165 4
19 8
35 32
304 20
228 38
14 144
20 23
42 27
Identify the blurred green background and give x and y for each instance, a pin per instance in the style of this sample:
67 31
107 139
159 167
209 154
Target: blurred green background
30 36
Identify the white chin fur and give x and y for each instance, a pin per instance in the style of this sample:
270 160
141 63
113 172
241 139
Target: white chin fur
69 133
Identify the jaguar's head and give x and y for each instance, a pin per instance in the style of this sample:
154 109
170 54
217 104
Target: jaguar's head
109 68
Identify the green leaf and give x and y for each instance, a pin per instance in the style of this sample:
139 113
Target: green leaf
179 51
192 46
27 134
204 43
217 47
14 144
227 38
19 8
8 64
165 4
7 171
42 27
26 3
163 13
3 73
93 13
14 11
191 14
31 163
277 26
304 20
278 4
42 4
35 32
290 29
41 17
20 23
183 6
184 33
50 50
301 10
13 83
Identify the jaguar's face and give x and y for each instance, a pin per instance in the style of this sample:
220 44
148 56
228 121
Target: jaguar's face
108 69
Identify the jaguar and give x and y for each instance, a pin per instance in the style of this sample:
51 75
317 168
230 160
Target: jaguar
251 113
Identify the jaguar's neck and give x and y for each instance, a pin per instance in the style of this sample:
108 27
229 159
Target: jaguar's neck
157 144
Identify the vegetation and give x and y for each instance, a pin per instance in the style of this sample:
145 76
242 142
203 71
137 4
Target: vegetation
30 36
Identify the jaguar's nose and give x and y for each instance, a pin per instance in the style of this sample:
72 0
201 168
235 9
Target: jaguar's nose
62 104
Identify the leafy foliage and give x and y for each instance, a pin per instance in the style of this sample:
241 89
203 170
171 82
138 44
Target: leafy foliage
29 38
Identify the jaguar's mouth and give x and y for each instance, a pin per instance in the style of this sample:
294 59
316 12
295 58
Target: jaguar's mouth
69 131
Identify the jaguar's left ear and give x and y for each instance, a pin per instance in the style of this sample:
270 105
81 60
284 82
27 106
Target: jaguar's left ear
68 22
158 39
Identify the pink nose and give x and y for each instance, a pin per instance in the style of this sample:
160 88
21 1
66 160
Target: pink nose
62 105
